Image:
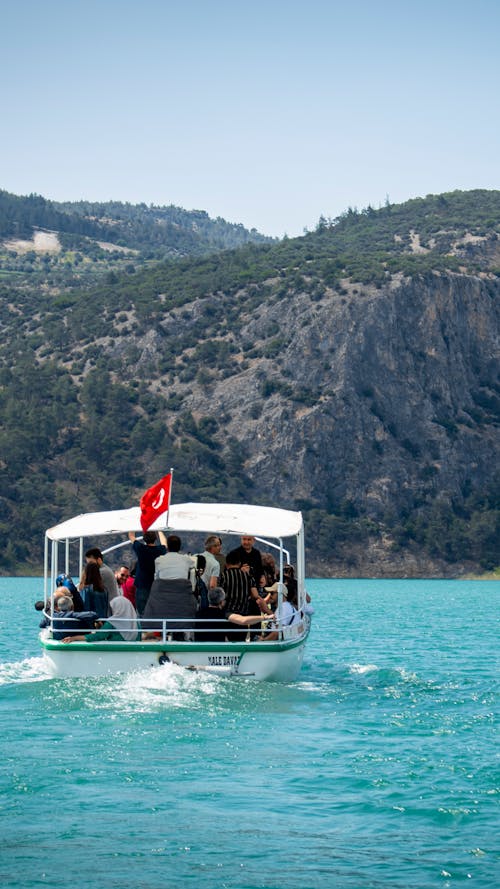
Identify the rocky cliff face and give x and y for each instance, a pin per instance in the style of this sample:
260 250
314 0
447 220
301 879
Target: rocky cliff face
378 397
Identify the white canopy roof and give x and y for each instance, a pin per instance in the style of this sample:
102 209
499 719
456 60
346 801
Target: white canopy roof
218 518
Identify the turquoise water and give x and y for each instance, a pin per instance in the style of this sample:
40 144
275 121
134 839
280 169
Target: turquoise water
377 768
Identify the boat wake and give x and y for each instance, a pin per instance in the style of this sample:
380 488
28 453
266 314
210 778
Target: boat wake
156 688
389 680
146 691
33 669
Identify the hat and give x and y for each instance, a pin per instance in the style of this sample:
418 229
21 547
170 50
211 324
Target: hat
272 589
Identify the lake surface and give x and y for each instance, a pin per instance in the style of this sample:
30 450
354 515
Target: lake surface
377 768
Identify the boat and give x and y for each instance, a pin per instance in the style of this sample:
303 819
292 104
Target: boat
278 660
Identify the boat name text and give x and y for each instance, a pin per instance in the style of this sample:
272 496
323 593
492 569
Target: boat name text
223 660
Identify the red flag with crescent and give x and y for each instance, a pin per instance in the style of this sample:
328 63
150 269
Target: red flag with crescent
155 501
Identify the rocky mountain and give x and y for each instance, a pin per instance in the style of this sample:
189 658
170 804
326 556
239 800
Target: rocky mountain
352 373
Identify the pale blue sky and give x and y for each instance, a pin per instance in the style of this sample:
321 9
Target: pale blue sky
265 113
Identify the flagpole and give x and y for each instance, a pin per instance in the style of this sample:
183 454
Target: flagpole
170 492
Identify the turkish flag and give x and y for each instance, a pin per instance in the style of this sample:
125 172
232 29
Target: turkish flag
155 501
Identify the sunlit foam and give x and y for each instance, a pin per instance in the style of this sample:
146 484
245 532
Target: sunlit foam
33 669
167 686
360 669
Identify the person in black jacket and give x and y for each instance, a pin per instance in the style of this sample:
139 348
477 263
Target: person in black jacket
250 558
66 621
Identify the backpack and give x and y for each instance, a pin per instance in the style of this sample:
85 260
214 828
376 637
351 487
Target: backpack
65 580
200 587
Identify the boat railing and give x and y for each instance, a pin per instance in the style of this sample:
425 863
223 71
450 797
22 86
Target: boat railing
168 629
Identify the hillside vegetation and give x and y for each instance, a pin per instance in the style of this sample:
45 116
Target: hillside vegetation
352 373
51 244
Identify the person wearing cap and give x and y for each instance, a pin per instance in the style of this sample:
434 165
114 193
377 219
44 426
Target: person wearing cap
285 614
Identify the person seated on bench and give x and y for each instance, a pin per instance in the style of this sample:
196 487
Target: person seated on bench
220 623
121 626
285 615
68 622
93 590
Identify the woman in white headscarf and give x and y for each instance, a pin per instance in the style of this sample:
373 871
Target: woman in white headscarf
123 618
121 625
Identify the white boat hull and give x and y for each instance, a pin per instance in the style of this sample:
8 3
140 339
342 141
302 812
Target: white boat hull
273 661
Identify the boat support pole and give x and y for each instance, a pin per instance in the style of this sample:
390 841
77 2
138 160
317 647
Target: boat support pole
45 568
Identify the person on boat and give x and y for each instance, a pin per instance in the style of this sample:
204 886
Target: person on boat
217 553
66 621
250 556
200 587
47 607
285 614
94 554
172 593
121 625
92 589
237 584
147 551
242 595
291 584
212 570
222 622
58 592
269 569
126 583
66 584
50 605
174 565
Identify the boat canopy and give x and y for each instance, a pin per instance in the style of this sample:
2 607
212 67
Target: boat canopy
217 518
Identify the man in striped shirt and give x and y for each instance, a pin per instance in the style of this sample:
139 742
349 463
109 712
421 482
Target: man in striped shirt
242 596
237 585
